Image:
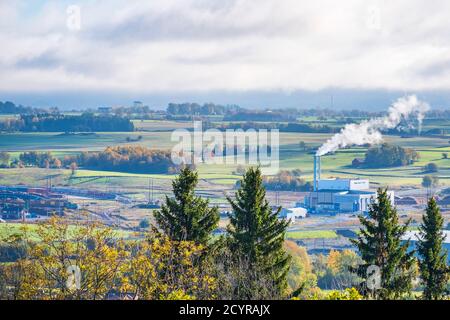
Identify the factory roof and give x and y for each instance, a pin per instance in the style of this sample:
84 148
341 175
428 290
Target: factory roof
347 191
361 192
343 179
343 184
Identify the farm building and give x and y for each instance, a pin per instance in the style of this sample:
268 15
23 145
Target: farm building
340 195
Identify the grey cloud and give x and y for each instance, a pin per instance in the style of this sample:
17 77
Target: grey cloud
228 45
45 60
50 60
436 69
177 25
243 54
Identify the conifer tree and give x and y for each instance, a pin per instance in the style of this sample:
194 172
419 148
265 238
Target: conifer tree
433 259
380 245
256 236
187 217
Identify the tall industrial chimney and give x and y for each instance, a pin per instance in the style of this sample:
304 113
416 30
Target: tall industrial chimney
316 172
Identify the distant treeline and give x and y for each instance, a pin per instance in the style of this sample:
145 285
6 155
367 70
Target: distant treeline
9 107
87 122
313 128
192 108
436 131
237 113
232 112
333 113
261 116
133 112
283 127
438 114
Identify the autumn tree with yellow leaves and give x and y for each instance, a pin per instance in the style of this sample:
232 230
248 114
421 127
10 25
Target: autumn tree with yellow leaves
109 267
62 248
164 269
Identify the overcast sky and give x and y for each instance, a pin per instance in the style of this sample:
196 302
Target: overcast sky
259 52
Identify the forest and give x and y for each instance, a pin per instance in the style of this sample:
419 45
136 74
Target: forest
87 122
9 107
133 159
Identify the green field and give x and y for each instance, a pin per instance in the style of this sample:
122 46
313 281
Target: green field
291 156
311 234
161 125
62 143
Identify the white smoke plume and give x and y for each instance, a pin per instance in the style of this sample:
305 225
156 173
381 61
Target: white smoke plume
403 110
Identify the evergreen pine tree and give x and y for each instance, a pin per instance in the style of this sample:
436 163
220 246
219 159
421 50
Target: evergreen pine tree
433 260
380 245
187 216
257 237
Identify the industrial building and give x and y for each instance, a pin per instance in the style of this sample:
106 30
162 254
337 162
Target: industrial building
20 202
339 195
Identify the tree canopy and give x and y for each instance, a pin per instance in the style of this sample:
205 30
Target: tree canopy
387 155
381 247
187 217
433 259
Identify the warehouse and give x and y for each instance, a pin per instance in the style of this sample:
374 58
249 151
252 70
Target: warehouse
293 213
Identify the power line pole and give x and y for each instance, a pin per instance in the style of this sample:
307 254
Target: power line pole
150 190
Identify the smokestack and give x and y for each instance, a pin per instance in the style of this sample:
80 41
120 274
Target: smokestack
315 175
316 172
